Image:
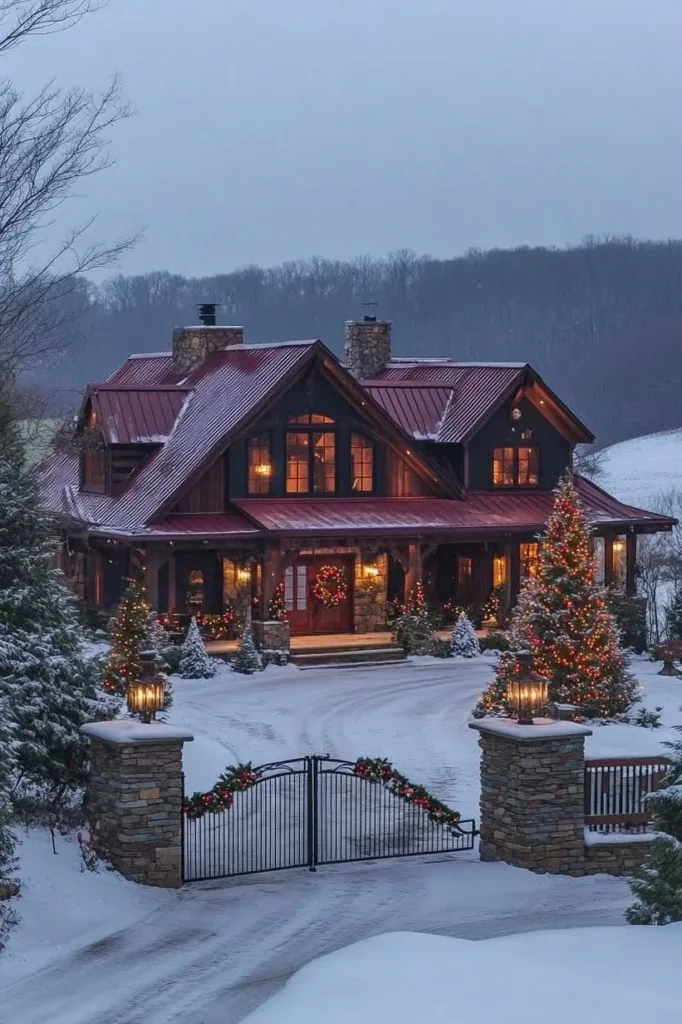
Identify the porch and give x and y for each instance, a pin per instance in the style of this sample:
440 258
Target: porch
323 642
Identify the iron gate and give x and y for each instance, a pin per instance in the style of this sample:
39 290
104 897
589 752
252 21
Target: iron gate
307 812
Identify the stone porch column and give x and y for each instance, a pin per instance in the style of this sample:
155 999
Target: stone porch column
135 798
532 786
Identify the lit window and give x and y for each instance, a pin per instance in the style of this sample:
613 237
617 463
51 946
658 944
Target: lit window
311 417
260 465
465 569
324 463
499 570
515 467
298 446
361 463
529 559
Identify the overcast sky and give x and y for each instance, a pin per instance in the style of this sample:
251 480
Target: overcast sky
269 130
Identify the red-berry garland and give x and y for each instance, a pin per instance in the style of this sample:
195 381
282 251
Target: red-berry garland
235 779
378 769
330 587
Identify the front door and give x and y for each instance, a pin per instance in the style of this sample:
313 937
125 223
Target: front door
308 614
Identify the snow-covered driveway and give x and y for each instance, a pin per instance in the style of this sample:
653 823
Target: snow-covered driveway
209 954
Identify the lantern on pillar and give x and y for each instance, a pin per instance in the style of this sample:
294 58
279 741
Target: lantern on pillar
145 695
527 693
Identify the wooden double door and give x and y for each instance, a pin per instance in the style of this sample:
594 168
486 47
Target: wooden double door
306 613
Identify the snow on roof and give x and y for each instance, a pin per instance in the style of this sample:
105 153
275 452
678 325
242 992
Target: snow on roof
149 355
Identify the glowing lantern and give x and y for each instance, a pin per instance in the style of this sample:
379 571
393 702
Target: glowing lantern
145 696
527 693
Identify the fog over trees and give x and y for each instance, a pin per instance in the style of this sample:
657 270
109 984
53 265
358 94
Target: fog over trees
601 322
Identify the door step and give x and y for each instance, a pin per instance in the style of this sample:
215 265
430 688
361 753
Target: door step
349 657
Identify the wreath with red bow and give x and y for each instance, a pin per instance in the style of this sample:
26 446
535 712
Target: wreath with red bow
330 587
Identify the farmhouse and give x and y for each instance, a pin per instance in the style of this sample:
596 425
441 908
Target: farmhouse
231 473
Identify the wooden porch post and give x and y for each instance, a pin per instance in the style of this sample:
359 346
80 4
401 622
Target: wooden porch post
484 582
414 567
172 597
630 563
609 575
272 574
507 552
514 575
152 564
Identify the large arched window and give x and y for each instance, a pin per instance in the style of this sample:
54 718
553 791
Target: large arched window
311 455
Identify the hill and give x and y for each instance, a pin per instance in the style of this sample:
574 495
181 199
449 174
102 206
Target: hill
640 470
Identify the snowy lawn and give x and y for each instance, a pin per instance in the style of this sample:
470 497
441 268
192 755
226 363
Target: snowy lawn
108 950
580 975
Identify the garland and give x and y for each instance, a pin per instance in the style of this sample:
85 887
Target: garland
235 779
378 769
330 587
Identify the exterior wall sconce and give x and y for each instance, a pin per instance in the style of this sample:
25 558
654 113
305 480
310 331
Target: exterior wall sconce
516 413
527 693
145 696
370 572
243 575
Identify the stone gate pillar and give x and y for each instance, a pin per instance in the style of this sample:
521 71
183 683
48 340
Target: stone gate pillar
532 786
135 798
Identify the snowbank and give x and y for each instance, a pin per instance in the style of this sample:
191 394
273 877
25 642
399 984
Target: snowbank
583 974
638 470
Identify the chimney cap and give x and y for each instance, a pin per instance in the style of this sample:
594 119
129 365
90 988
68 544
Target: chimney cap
207 312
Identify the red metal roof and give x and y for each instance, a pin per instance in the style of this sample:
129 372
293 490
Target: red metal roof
477 511
137 415
209 526
418 409
145 370
474 389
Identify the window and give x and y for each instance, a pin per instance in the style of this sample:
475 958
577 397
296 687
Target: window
529 559
361 463
260 465
465 569
94 468
297 462
515 467
311 458
311 417
499 571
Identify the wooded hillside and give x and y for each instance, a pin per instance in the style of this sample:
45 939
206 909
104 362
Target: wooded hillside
602 322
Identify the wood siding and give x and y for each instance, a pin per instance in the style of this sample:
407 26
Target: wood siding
207 494
124 460
401 481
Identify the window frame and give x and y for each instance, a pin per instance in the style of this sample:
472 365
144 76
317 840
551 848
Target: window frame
265 435
372 450
311 429
94 448
515 464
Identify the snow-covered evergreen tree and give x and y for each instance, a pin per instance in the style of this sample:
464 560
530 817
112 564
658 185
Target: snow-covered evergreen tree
248 658
7 838
49 687
563 619
658 883
674 616
157 637
464 639
194 661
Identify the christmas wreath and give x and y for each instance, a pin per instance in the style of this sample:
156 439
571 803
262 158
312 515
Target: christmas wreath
330 587
234 779
379 770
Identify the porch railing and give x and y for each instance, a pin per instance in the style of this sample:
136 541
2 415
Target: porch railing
616 789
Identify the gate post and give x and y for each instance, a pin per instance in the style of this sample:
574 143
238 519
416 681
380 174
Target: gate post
135 798
532 794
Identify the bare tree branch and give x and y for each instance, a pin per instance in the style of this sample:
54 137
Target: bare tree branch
22 18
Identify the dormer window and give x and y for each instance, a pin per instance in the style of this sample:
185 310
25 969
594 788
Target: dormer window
516 467
94 465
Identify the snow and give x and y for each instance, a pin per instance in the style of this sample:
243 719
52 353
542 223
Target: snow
583 975
639 470
127 730
94 949
618 838
541 729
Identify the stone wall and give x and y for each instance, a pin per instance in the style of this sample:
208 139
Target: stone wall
367 347
615 854
370 594
273 639
191 345
134 800
532 812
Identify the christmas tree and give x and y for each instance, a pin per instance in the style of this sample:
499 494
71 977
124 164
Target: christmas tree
464 639
413 629
248 658
49 689
194 661
129 636
562 618
277 608
674 616
658 883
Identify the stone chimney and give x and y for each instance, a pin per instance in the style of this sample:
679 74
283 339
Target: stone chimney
367 346
191 345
